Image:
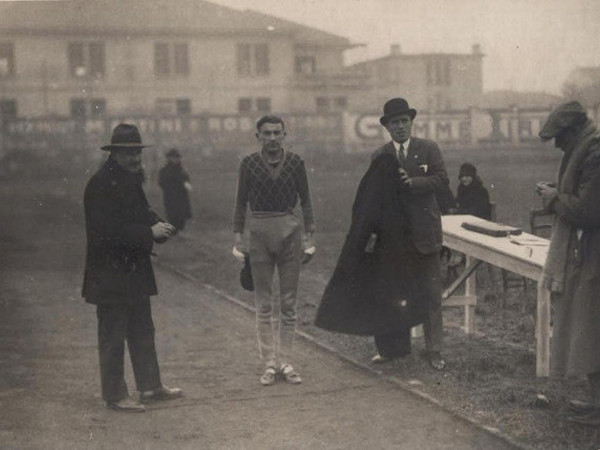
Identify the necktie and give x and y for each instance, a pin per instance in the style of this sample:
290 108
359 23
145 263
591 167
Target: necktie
401 157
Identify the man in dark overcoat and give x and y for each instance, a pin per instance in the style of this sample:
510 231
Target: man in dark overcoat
121 230
175 184
572 270
372 291
423 172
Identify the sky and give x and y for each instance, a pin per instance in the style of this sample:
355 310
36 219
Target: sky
529 44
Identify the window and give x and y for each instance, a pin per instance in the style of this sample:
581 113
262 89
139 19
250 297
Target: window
261 53
263 104
183 106
253 59
8 108
306 65
243 59
161 59
7 60
182 66
171 59
438 72
81 108
340 103
322 104
78 108
244 105
86 59
97 107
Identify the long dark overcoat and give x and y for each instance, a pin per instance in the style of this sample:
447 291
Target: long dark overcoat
171 179
374 293
474 199
118 223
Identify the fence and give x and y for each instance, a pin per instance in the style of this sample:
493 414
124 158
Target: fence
207 135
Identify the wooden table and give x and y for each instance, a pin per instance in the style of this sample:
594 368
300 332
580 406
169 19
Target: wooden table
524 254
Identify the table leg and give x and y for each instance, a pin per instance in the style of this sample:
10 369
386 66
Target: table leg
542 332
470 291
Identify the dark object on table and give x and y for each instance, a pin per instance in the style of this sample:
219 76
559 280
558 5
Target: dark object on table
491 228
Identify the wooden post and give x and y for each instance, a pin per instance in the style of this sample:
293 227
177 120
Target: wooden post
470 291
542 332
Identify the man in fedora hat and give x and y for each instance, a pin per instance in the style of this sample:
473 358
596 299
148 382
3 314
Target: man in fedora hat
121 230
422 175
572 269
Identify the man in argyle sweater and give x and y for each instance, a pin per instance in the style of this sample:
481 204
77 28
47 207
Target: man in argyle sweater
271 182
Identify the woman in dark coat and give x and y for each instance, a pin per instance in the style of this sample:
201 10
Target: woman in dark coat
472 197
175 183
371 291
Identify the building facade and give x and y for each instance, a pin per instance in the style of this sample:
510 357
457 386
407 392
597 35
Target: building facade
434 82
108 57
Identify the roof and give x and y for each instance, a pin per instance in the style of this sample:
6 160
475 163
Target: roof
134 17
415 56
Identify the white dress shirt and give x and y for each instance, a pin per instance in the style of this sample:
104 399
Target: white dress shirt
405 145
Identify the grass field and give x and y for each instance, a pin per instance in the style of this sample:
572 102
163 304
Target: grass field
490 377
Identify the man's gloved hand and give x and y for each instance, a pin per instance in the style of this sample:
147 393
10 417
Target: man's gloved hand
161 231
404 178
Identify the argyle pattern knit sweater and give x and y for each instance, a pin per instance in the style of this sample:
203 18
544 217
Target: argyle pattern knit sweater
272 188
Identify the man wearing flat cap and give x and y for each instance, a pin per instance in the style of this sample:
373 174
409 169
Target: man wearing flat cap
422 176
572 270
121 231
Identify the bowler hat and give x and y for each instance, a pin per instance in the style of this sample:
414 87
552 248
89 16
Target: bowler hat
125 135
395 107
564 116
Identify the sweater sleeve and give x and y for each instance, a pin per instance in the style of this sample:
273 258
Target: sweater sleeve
241 199
305 200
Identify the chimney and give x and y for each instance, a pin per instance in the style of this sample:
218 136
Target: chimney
395 50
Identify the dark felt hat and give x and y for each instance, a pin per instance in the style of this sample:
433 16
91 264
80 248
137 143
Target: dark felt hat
125 135
395 107
564 116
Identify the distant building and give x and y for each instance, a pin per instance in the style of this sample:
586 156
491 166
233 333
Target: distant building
583 84
507 99
432 82
88 58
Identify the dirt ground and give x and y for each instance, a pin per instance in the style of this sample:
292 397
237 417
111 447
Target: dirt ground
49 370
49 387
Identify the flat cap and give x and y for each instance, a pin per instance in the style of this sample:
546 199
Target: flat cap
564 116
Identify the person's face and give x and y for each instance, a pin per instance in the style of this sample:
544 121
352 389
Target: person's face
399 127
466 180
129 159
270 136
174 160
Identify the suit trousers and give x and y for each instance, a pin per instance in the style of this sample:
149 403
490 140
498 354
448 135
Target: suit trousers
427 270
118 323
275 242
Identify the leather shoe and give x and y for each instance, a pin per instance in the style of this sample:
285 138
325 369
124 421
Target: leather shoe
126 404
378 359
591 419
436 361
580 407
162 393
